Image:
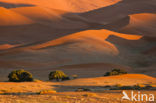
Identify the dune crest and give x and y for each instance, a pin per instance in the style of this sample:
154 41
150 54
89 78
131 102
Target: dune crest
10 18
143 23
100 35
6 46
67 5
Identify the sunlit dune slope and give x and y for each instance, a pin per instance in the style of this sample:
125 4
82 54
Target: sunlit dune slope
52 17
141 44
144 23
128 79
47 24
88 46
8 18
68 5
26 87
95 38
100 35
143 19
6 46
39 12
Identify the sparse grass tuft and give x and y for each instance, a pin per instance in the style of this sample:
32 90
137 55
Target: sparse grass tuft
47 92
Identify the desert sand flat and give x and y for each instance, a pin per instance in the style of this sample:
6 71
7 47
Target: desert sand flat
71 97
66 94
71 85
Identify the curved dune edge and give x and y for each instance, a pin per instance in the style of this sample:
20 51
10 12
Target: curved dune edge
127 79
100 35
143 23
9 18
94 38
7 46
40 13
142 18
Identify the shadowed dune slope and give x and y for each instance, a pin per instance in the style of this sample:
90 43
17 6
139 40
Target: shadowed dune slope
120 10
151 51
88 46
40 70
144 24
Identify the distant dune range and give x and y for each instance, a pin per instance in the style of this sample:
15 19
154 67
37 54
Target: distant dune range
67 5
46 35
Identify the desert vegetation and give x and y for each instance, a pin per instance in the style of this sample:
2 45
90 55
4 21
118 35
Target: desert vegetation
115 72
134 87
58 76
20 76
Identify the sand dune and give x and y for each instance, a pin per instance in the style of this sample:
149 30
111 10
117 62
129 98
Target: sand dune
135 51
92 41
9 18
86 47
120 10
144 23
6 46
99 35
56 19
77 47
128 79
71 32
53 22
67 5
